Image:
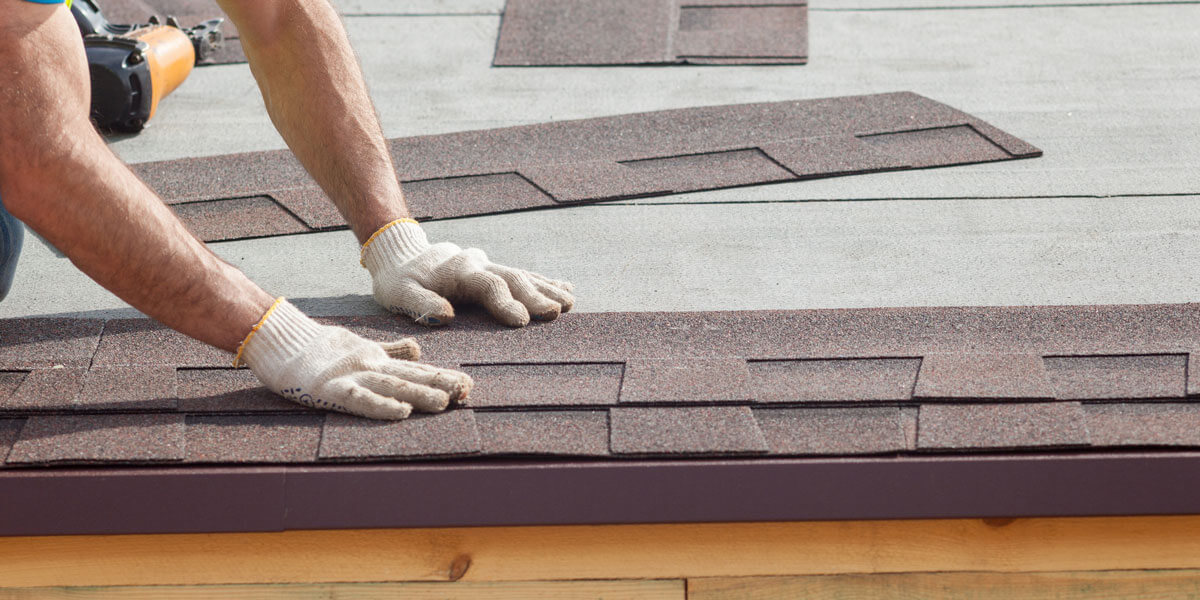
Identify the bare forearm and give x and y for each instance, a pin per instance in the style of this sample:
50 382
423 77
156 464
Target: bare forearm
314 91
58 176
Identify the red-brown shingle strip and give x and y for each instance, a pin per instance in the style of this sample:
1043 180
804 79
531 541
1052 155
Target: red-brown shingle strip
569 32
238 219
699 430
46 389
1144 424
10 429
452 433
616 32
528 385
47 342
1001 426
838 380
670 381
977 375
1118 377
146 342
9 382
253 439
544 433
816 431
144 387
137 438
228 391
589 160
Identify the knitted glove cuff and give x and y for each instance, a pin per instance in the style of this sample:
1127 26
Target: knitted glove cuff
279 336
401 240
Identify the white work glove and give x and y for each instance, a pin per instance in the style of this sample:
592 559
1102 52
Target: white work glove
331 368
414 278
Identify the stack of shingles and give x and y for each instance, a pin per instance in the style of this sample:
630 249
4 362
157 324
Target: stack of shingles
785 383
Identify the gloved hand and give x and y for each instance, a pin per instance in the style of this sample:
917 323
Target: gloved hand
331 368
417 279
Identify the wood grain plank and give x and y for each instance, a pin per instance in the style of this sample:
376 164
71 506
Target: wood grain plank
533 590
604 552
1143 585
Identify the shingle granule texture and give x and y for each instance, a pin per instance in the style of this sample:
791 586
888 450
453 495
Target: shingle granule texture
641 32
686 430
228 390
449 433
10 429
253 439
705 380
807 431
1010 425
544 433
544 384
126 388
590 160
1114 377
974 375
1144 424
145 342
140 438
46 389
43 342
846 380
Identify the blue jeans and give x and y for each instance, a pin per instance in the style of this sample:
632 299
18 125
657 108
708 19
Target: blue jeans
12 235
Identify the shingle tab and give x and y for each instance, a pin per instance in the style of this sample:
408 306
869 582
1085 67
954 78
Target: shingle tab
146 342
9 382
10 430
1114 377
553 433
238 219
446 434
253 438
569 32
47 342
228 390
137 438
567 384
1000 426
697 430
136 387
836 380
815 431
998 376
46 389
1144 424
654 381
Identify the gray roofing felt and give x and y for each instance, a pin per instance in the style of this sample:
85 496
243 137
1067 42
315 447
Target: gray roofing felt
263 194
628 385
625 32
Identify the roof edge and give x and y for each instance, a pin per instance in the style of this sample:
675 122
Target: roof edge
400 495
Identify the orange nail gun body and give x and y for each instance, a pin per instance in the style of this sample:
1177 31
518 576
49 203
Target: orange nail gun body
133 67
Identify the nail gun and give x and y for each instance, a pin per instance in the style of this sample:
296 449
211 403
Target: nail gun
133 67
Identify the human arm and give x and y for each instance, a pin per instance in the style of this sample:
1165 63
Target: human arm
59 177
316 96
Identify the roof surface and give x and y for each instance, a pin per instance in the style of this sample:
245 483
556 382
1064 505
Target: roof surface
1105 217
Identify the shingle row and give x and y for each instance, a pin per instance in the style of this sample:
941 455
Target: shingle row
590 160
618 432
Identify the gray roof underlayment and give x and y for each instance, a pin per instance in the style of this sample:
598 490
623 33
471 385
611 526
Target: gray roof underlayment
1037 395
